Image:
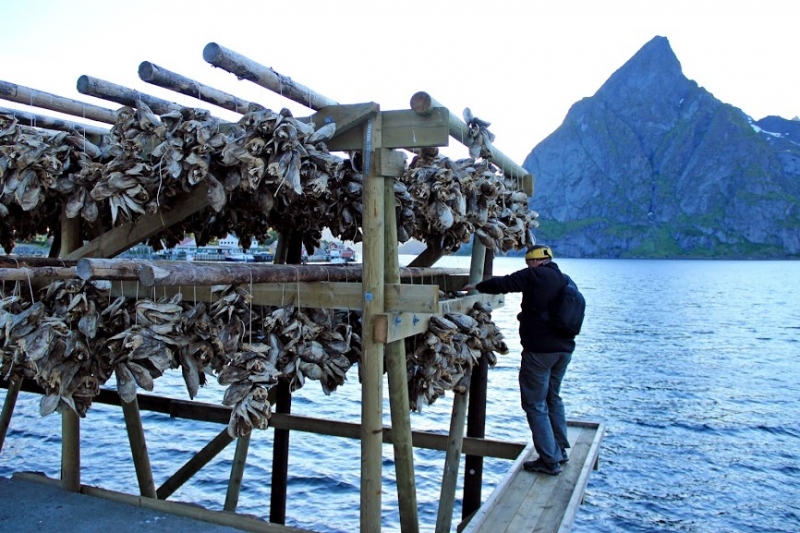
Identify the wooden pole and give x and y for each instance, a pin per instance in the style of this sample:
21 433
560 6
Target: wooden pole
152 73
444 518
9 403
198 461
280 457
141 460
476 412
287 250
33 97
50 123
32 273
247 69
70 422
372 352
106 90
423 103
19 261
398 380
237 473
182 273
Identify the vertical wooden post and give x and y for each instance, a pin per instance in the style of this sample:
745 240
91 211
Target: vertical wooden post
237 473
70 422
476 413
372 352
280 457
287 251
453 455
10 402
396 368
141 460
444 518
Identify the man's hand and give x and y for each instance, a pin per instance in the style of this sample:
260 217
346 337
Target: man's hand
469 287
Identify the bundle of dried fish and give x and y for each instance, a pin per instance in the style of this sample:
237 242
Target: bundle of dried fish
481 138
317 344
32 165
440 359
249 375
18 318
455 199
148 347
64 349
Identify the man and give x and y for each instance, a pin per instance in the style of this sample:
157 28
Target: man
545 354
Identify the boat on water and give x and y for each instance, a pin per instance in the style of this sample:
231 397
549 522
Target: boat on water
240 258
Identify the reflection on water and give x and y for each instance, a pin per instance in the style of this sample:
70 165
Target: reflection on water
693 365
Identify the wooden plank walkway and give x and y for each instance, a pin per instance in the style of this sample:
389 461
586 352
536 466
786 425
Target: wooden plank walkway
530 502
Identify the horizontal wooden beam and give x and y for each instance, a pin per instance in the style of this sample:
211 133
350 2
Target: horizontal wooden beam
34 97
152 73
346 117
400 129
51 123
390 327
220 414
424 104
112 92
464 304
325 295
247 69
32 273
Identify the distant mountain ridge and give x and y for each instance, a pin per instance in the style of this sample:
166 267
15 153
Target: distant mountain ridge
653 166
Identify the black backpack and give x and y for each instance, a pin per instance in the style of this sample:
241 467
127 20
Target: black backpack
567 310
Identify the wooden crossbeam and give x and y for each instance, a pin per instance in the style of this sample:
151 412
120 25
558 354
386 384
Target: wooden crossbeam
390 327
401 129
398 297
120 238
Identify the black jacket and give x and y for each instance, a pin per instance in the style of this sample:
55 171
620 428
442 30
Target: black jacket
539 287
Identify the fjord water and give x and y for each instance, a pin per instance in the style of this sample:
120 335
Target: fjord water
692 365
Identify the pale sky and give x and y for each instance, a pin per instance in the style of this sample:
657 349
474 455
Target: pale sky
517 64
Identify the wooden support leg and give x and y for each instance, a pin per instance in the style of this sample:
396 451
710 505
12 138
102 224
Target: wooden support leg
280 457
447 498
194 465
141 460
398 386
481 265
372 352
237 473
70 451
10 402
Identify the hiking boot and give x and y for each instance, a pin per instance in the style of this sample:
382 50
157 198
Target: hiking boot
538 465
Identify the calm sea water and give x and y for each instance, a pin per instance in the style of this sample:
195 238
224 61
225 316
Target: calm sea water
694 366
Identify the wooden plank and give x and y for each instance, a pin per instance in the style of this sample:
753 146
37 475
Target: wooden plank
463 305
401 129
392 327
120 238
346 118
525 501
220 414
407 129
399 297
193 465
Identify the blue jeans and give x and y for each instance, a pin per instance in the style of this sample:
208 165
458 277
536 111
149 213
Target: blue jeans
540 376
